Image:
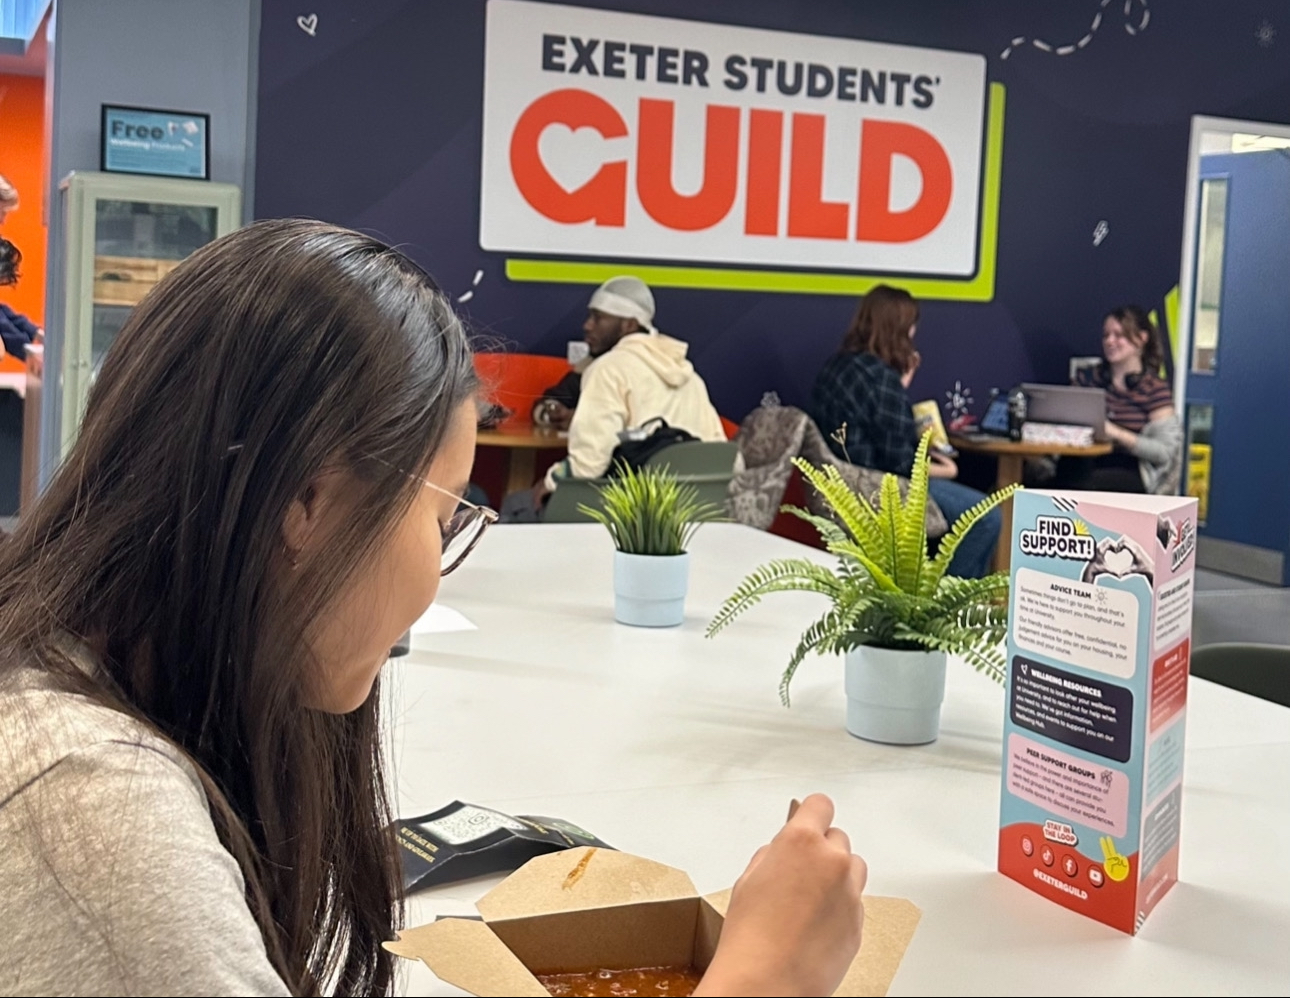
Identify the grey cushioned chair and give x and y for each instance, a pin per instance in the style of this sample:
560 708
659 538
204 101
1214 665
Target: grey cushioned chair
1259 670
707 465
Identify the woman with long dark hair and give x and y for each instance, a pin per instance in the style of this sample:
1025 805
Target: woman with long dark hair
1141 420
193 618
860 402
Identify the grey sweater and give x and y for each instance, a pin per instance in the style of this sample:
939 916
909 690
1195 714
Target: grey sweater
1159 449
114 881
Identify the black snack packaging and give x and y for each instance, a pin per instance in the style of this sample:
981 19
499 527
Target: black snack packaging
462 840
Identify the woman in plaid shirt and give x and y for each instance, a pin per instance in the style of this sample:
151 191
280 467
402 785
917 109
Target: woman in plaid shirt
861 404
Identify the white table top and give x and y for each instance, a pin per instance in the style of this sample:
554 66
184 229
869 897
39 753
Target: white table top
15 382
676 747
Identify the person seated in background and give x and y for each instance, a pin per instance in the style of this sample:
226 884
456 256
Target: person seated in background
619 307
8 198
16 330
1140 417
636 374
861 404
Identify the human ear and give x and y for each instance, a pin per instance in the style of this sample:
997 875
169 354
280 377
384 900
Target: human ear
308 511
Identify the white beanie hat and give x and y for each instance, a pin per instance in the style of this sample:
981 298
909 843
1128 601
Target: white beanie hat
627 298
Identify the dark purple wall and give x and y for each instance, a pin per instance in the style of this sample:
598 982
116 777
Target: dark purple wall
374 122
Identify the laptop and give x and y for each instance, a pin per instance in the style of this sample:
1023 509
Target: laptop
1068 404
995 422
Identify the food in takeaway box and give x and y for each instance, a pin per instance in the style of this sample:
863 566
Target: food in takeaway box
643 981
590 908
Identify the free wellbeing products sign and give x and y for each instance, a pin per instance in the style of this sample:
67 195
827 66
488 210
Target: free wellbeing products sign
616 135
156 143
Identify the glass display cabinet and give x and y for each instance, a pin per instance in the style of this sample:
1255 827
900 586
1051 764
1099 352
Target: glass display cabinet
124 234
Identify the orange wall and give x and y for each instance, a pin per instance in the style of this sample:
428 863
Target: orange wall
22 137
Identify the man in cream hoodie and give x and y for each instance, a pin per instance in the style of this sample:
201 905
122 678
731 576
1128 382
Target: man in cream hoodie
636 374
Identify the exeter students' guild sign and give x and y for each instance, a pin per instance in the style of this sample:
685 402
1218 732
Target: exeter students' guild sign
621 135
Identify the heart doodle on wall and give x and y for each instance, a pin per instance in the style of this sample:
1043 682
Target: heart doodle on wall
308 23
574 157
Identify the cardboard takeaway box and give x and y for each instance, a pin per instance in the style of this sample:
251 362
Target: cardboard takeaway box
590 909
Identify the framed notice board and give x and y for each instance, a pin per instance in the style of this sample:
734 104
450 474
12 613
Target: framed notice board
155 142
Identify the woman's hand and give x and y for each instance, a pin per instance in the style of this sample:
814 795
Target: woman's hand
795 916
907 378
942 466
1118 435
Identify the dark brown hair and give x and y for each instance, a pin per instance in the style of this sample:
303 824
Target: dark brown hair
1141 331
283 349
10 259
881 327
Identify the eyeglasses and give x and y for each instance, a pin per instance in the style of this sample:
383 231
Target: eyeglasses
463 530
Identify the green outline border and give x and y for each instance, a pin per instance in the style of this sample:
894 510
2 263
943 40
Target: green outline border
1172 318
979 288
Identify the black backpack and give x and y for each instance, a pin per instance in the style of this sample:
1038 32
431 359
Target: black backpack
634 454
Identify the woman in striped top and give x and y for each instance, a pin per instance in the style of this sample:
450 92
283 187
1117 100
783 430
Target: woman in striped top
1140 417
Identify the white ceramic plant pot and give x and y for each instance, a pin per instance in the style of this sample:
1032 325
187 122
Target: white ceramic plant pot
649 590
894 696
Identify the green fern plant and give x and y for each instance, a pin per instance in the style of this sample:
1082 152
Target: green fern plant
886 591
649 511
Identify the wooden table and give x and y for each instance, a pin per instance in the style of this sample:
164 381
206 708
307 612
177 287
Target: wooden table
675 747
522 441
1011 456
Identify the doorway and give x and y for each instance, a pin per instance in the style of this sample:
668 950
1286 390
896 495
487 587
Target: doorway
1234 345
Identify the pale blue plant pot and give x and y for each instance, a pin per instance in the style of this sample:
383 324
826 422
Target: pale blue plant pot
894 697
649 590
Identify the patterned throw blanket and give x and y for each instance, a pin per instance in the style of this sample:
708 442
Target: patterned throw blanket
768 440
